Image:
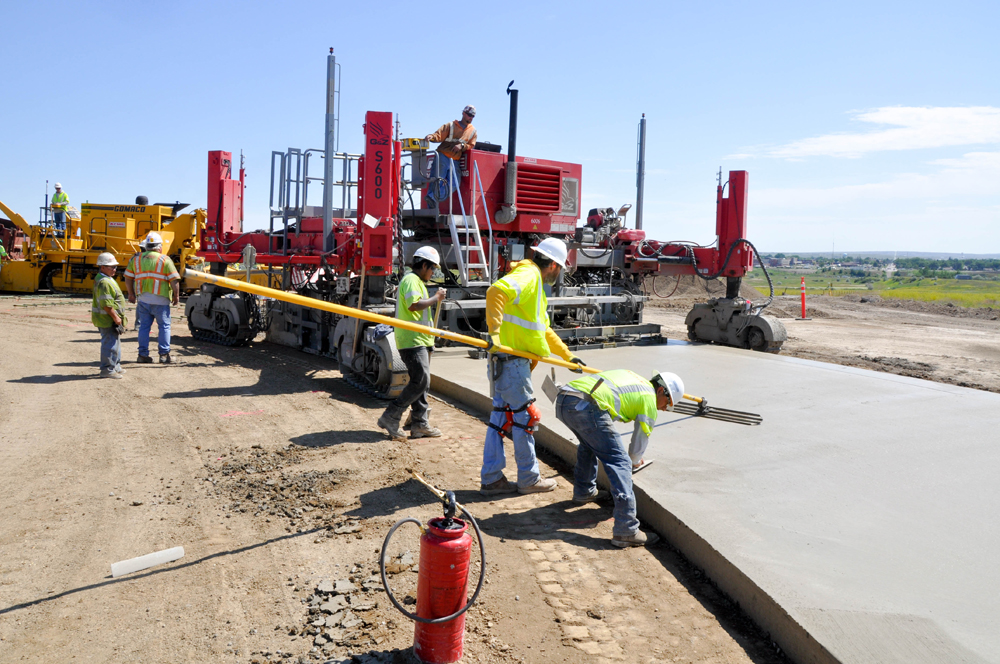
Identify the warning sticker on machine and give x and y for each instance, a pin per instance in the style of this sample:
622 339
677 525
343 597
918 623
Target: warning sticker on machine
116 224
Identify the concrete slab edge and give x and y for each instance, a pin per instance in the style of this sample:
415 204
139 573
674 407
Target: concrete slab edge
797 643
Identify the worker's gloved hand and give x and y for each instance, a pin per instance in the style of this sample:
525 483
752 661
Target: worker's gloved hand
120 329
579 364
492 343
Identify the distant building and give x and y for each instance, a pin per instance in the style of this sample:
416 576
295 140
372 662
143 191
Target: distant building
963 277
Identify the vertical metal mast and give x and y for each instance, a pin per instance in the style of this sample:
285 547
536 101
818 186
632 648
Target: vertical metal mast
330 147
640 172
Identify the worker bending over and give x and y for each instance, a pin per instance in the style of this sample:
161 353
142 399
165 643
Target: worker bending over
590 406
516 316
107 312
152 279
455 138
414 304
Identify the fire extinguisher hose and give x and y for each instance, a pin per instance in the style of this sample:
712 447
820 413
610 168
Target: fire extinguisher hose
479 586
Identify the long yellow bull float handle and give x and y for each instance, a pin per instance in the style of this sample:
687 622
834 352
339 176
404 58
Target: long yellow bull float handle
361 314
294 298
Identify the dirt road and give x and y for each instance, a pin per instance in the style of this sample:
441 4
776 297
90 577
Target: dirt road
270 472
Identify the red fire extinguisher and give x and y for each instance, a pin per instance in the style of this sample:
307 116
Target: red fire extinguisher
442 582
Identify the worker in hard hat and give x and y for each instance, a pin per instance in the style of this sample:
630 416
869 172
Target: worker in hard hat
107 312
413 304
153 283
59 205
516 317
3 255
455 138
590 406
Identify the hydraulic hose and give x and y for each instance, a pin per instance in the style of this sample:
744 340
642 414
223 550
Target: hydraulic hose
468 605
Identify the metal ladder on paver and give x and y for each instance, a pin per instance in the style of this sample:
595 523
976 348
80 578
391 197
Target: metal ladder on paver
473 240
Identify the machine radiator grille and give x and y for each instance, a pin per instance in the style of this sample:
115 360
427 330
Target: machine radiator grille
538 188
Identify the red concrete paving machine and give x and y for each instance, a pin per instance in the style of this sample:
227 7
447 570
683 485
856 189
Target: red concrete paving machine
352 249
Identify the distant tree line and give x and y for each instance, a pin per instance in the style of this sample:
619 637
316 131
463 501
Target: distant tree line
956 264
925 265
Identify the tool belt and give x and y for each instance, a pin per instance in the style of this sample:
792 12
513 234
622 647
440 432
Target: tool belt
496 363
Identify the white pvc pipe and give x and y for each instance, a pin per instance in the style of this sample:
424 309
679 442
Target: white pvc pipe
146 561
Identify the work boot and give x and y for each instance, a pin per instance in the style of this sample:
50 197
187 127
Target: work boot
592 498
409 417
502 485
420 430
145 359
390 422
638 539
119 371
111 374
541 486
165 358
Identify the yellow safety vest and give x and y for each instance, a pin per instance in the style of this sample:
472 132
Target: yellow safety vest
525 316
152 272
412 289
623 394
61 200
106 294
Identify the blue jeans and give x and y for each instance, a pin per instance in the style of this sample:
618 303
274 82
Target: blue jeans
437 192
512 388
111 350
145 313
59 220
599 441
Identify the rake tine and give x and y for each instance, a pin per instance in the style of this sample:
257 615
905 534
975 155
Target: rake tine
721 414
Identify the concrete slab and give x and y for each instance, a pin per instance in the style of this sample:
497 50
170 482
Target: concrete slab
858 523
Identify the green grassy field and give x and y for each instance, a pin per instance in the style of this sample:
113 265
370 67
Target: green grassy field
959 293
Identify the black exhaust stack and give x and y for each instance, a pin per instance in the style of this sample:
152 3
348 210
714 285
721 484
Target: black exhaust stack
508 211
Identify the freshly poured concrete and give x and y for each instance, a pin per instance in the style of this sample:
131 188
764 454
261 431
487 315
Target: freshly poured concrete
858 523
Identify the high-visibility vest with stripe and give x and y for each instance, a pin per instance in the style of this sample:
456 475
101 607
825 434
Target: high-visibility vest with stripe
106 294
152 272
623 394
412 289
61 200
525 316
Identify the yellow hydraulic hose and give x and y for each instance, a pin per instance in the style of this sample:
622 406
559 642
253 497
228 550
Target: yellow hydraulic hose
293 298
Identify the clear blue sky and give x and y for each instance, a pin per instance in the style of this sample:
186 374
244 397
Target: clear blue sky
870 124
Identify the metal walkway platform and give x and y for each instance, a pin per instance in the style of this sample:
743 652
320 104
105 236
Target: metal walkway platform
858 524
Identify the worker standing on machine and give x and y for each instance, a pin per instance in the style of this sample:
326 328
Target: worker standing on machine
590 406
152 279
59 205
455 138
414 304
107 312
3 255
516 316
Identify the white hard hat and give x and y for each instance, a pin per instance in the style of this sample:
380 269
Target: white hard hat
58 186
106 259
152 240
470 109
428 253
672 383
554 249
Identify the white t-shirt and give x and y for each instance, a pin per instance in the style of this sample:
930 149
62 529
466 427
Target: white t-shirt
153 298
